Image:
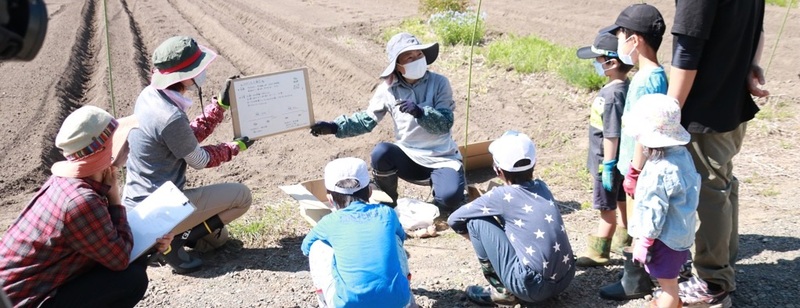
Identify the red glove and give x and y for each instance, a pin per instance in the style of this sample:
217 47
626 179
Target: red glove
629 184
640 249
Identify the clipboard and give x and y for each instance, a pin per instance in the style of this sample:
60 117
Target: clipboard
271 104
157 215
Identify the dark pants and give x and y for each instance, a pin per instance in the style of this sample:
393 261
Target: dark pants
491 243
102 287
448 184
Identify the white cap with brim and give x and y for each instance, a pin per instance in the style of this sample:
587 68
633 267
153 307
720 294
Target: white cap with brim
510 148
177 59
655 122
344 169
402 42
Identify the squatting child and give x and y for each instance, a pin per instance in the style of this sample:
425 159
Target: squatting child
342 274
604 132
516 231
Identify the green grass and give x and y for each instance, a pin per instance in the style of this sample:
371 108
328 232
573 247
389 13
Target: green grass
265 227
415 26
530 54
428 7
783 3
454 27
769 192
775 112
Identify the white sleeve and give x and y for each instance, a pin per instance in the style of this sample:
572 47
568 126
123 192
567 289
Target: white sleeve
198 158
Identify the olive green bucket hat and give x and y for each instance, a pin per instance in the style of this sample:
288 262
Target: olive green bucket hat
177 59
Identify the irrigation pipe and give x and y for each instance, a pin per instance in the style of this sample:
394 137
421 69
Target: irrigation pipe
469 78
108 58
780 33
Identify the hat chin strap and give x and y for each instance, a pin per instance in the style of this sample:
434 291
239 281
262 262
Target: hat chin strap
200 95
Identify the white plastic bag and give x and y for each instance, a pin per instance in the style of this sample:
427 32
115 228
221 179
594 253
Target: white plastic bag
415 214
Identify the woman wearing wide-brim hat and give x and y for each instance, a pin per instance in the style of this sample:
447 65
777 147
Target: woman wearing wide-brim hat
421 104
166 142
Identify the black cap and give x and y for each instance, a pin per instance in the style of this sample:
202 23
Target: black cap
640 17
605 44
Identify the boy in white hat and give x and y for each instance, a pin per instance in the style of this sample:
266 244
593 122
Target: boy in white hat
343 274
421 104
517 231
667 194
71 245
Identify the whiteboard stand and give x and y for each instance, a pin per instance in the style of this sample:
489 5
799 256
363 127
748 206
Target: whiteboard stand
271 104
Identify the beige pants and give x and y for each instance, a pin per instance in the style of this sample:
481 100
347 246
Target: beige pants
228 200
717 239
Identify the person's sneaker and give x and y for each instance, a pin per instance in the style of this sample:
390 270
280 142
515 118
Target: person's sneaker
489 296
695 293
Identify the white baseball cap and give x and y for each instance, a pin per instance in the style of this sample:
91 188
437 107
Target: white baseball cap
510 148
343 169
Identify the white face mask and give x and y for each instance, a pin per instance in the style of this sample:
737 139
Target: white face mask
199 80
415 70
598 68
625 58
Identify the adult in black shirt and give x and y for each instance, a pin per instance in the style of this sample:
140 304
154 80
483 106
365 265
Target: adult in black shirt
716 51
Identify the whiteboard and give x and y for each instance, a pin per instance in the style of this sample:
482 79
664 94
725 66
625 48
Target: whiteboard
270 104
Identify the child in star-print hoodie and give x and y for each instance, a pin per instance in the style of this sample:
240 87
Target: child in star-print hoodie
517 231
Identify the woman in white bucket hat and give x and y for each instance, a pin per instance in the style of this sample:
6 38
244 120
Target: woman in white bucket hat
421 104
167 142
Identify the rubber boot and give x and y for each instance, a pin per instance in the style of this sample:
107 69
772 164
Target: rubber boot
180 261
635 282
621 240
387 183
596 253
495 294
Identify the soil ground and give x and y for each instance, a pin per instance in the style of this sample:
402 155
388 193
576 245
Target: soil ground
337 41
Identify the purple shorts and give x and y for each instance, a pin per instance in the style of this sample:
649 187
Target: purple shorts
665 263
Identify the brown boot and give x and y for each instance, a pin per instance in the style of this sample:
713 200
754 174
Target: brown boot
596 253
621 240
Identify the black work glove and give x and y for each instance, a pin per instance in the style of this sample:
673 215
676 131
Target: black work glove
410 107
324 128
244 143
224 95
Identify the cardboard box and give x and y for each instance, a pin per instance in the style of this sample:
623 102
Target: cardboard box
313 199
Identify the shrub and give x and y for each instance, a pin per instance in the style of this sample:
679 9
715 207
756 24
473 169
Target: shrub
783 3
532 55
415 26
429 7
454 27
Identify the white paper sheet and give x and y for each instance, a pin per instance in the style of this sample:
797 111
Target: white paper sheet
157 215
270 104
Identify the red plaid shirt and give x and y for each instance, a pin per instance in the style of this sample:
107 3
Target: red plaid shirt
66 229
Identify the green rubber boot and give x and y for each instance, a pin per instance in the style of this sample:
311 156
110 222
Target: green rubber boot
596 253
621 240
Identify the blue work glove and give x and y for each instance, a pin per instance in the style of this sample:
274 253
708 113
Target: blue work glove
607 171
243 143
324 128
409 107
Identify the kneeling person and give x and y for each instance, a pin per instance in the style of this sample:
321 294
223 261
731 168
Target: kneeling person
343 274
517 231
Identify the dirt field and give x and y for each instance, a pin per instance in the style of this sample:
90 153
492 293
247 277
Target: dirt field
337 41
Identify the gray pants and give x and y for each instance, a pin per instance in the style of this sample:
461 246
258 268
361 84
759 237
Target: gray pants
490 243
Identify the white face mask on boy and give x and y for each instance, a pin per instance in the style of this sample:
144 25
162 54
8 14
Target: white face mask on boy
626 58
416 69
